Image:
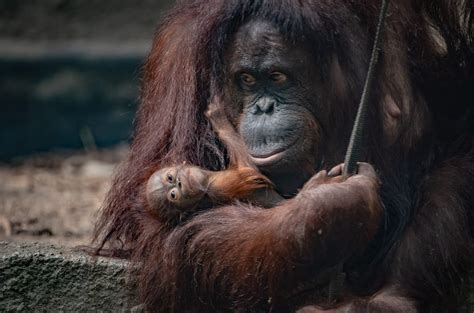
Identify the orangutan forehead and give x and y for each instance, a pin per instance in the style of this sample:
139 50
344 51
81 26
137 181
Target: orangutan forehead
259 32
257 39
258 42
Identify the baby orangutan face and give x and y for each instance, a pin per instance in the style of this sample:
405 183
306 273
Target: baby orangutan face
182 187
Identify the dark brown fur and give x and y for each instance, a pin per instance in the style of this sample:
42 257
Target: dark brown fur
243 258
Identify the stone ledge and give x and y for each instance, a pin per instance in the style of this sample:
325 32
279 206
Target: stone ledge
42 278
36 277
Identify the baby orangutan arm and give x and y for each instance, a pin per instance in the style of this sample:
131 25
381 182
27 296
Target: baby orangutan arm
174 191
239 160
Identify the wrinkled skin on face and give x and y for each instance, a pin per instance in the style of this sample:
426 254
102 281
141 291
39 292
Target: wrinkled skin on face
272 84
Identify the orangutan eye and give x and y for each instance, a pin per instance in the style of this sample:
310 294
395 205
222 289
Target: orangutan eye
247 79
278 77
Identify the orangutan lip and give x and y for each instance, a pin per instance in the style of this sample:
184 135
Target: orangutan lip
268 154
272 157
268 159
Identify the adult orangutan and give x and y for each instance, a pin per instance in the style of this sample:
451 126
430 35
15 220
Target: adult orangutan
283 79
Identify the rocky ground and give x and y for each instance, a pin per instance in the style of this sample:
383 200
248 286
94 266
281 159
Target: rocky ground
54 198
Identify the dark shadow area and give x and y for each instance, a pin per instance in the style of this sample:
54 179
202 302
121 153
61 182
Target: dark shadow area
66 103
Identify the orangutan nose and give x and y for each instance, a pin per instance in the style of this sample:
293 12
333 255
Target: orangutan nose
265 105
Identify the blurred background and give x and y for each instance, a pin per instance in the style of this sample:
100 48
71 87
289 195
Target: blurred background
69 82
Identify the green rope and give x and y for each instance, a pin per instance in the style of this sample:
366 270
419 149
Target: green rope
355 148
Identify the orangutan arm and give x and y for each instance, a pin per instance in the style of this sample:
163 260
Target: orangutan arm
259 254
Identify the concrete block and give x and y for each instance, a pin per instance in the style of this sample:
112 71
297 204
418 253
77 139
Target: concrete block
37 278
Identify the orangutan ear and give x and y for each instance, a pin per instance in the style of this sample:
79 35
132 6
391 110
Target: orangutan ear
391 118
338 79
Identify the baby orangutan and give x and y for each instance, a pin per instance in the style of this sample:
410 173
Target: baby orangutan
172 192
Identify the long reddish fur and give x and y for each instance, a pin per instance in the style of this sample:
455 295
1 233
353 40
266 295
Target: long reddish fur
240 256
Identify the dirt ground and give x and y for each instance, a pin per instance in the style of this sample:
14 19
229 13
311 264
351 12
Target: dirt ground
55 197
